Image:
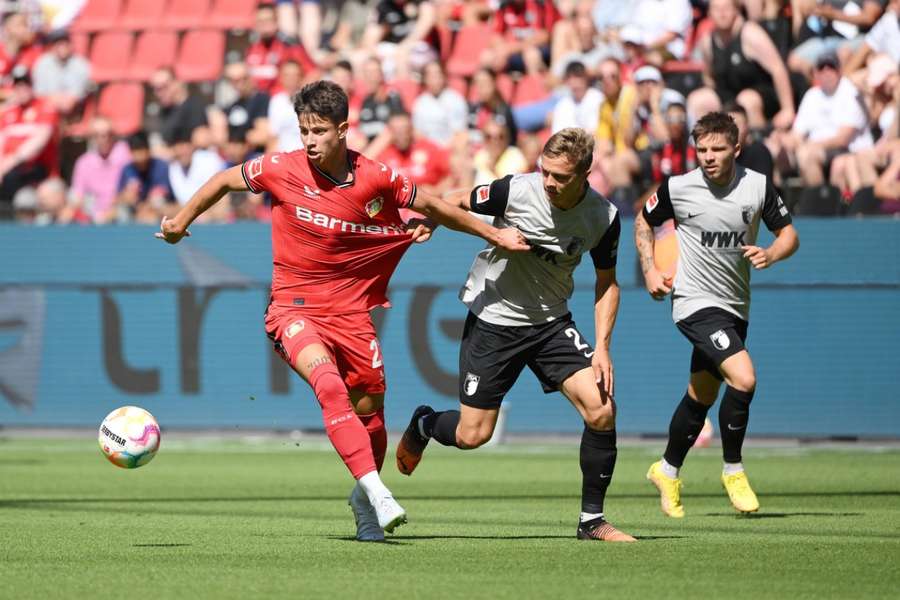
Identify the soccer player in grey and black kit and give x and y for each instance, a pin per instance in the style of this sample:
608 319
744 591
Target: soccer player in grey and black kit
518 316
717 209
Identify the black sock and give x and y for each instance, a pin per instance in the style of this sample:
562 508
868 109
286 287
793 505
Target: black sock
683 429
442 427
734 413
598 460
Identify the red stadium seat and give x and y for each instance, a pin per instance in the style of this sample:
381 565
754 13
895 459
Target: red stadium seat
460 85
110 55
531 88
408 90
97 15
233 14
200 56
186 14
81 43
123 104
153 49
82 127
465 56
138 15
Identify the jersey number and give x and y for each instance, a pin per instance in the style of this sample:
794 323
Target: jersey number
376 354
573 334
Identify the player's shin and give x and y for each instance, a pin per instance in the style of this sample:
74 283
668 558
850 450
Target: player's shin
687 421
598 460
441 426
344 429
734 414
374 424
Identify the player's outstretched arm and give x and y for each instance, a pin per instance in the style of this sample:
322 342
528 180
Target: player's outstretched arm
657 283
786 243
454 217
229 180
606 308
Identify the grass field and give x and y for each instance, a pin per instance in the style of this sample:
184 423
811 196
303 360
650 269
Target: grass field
231 519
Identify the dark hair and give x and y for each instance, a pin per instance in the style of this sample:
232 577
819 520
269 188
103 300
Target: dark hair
716 122
344 64
734 107
324 99
138 141
575 69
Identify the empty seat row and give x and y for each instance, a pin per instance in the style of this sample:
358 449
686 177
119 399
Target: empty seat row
139 15
120 55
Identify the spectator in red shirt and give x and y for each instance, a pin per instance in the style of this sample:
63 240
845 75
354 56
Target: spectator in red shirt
17 47
523 31
27 139
423 161
269 49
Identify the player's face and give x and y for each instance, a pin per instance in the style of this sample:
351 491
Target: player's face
562 183
716 156
322 139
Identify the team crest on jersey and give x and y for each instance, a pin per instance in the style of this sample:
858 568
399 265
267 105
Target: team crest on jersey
652 201
575 246
254 167
720 340
373 207
747 213
471 384
294 328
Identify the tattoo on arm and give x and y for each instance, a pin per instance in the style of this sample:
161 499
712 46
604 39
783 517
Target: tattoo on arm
643 239
317 361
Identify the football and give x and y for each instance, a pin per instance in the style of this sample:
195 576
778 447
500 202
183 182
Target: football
129 437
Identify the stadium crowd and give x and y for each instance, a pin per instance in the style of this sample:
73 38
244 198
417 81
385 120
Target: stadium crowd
451 92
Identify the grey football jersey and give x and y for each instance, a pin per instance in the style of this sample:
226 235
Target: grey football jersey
529 288
712 223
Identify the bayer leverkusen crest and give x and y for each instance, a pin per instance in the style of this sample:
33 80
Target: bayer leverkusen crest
373 207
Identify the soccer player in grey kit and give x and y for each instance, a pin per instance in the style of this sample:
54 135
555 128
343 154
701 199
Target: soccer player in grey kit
717 209
518 316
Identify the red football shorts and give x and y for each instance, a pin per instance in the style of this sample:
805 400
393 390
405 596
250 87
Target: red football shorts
350 338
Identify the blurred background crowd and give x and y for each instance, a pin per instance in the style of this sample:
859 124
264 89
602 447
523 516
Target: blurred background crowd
116 111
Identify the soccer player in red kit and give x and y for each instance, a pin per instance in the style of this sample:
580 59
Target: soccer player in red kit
337 237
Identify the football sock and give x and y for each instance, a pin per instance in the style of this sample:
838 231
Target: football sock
683 429
585 517
373 486
442 427
732 468
374 424
598 460
734 413
668 470
345 431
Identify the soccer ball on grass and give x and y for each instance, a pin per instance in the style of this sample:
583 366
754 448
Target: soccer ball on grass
129 437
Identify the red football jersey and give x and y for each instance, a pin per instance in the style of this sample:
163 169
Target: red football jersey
264 60
17 124
334 245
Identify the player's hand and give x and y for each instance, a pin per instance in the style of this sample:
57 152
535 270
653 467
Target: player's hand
421 229
603 371
658 283
511 239
170 231
757 256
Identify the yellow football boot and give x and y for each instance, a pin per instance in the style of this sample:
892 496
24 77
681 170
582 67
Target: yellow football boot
669 491
740 493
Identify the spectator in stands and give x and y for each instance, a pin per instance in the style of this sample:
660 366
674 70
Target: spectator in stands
180 111
577 40
305 26
58 14
25 206
95 180
882 39
143 189
269 50
51 195
580 107
831 120
440 112
773 16
522 36
190 168
742 64
887 188
831 27
28 141
420 159
754 153
662 26
615 155
498 157
673 155
17 48
247 116
284 134
401 33
489 105
61 76
342 74
379 104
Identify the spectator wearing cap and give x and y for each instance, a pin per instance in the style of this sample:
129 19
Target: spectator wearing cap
246 116
831 120
95 179
580 107
28 140
420 159
180 111
882 39
17 48
60 75
521 41
269 50
284 133
741 64
439 113
754 154
832 27
143 188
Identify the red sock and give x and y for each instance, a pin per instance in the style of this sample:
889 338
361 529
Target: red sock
377 435
344 429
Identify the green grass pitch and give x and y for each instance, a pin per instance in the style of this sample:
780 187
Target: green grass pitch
233 519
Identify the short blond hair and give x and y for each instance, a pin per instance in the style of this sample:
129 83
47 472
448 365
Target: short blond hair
576 144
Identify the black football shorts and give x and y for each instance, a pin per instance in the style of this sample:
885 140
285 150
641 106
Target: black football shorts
716 334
